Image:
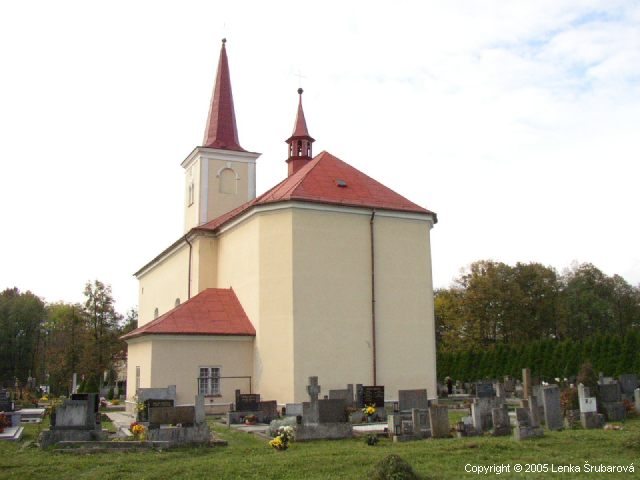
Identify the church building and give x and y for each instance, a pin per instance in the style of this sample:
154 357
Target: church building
326 274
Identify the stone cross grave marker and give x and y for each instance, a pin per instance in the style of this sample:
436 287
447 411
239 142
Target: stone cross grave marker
313 389
526 382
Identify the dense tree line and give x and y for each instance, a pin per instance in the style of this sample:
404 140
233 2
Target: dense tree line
548 359
493 303
496 319
48 343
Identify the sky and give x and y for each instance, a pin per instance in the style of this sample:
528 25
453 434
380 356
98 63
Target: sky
518 123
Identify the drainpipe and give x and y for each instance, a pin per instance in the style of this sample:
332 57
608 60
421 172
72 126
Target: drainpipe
186 239
373 296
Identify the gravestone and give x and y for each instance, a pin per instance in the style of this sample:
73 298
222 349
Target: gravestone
77 419
509 385
345 394
612 405
610 392
373 395
614 411
526 383
591 420
247 402
636 399
179 425
322 419
465 428
143 415
588 405
481 413
359 395
500 391
267 411
293 409
439 421
552 408
408 399
412 425
182 415
583 392
485 390
331 410
628 384
168 393
534 411
501 422
199 405
6 404
524 428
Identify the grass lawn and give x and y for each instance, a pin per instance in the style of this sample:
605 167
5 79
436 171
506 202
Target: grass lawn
250 457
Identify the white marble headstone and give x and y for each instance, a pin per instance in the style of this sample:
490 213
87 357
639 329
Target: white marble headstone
588 404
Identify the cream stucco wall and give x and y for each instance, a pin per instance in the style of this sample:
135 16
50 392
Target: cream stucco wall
139 354
333 308
219 201
204 263
176 361
255 260
332 300
405 326
160 285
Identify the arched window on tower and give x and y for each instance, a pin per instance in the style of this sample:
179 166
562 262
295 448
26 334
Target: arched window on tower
308 149
155 313
228 181
299 148
177 302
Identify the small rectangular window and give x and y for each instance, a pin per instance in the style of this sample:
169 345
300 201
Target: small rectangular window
137 378
209 381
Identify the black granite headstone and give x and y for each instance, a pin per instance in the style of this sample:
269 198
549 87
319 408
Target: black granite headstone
373 395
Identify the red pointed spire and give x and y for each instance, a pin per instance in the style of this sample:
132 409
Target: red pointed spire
221 130
300 141
300 127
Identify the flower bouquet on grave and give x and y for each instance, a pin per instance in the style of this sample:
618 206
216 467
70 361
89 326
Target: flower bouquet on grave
138 431
284 435
250 420
369 411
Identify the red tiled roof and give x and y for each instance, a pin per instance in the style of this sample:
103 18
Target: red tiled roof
319 181
221 130
215 311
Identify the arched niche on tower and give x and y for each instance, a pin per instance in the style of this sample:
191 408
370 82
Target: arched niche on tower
227 180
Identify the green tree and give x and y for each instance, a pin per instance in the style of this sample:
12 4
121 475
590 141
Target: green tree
21 315
103 324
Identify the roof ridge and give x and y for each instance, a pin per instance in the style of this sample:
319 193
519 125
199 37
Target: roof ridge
307 170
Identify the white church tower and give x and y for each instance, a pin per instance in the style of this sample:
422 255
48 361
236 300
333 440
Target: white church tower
220 175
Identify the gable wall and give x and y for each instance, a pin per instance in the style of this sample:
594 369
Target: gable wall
161 285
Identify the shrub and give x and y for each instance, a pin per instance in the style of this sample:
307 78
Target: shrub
371 440
393 467
588 377
110 394
569 399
